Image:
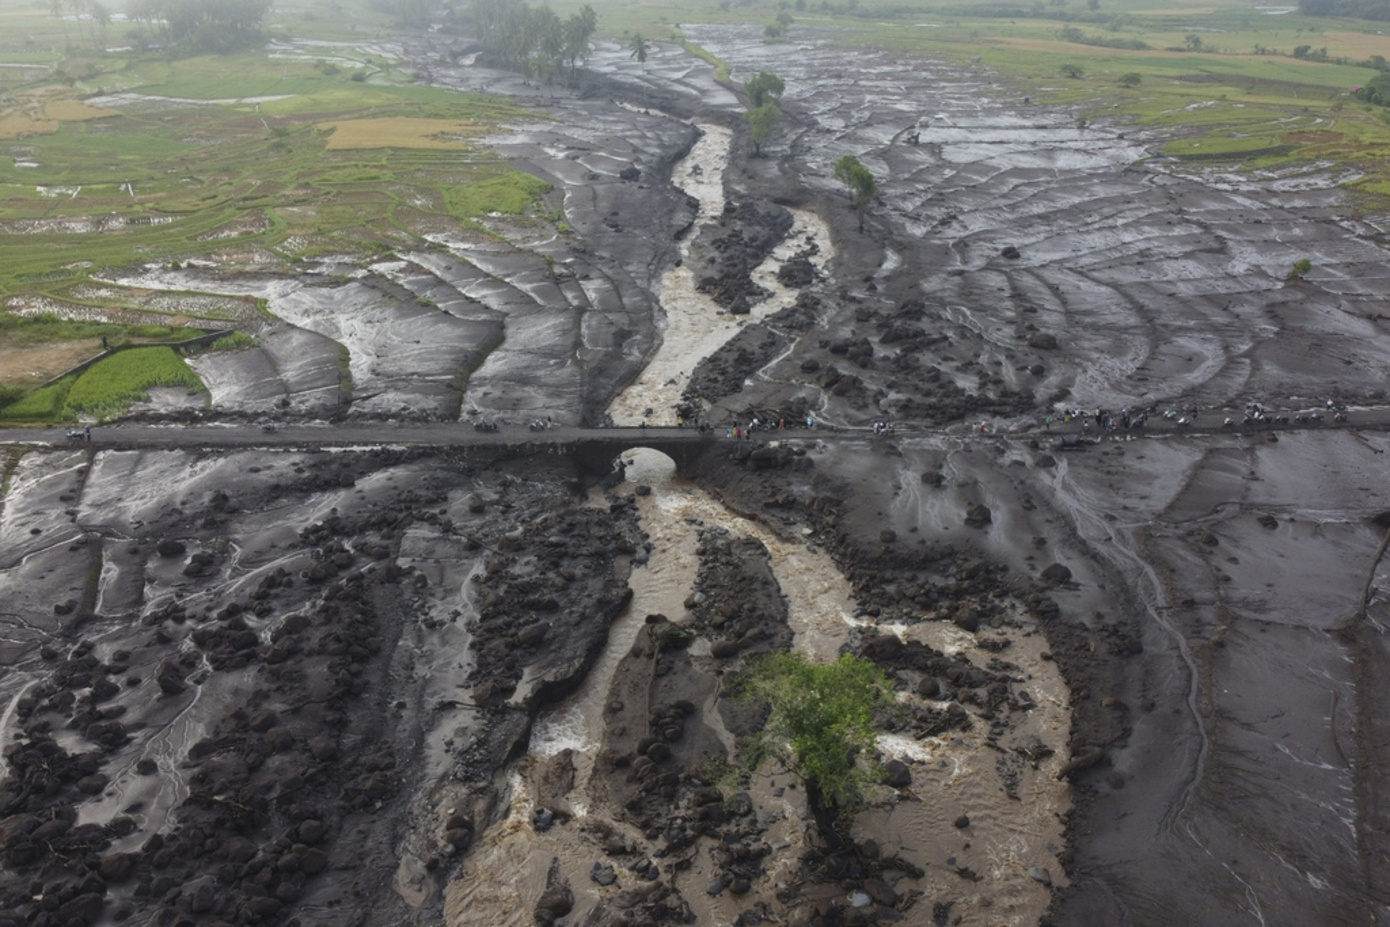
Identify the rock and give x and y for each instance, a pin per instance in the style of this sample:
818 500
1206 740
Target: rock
881 892
202 899
977 515
897 775
1010 252
279 739
962 822
1038 874
84 909
887 536
629 173
603 874
885 648
118 867
1055 573
557 900
1043 342
967 619
310 831
312 861
169 547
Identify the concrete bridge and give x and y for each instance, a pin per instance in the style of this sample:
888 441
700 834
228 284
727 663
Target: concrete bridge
594 449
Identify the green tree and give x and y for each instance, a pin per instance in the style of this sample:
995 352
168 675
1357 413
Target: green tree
579 28
762 124
859 183
639 47
1070 69
820 725
763 86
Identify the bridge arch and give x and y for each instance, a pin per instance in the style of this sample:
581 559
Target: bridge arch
595 456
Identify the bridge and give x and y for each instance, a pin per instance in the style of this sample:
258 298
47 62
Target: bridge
594 449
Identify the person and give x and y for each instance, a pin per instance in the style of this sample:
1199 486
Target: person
89 432
1049 423
104 345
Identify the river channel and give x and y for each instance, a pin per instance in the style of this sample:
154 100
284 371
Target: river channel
1011 841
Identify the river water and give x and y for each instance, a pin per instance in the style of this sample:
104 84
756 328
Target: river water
1010 841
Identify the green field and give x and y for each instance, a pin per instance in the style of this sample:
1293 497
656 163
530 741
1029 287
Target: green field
105 389
241 159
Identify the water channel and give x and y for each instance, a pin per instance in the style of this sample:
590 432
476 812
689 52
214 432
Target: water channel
1010 840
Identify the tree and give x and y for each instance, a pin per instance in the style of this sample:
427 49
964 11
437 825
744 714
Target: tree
820 724
1131 78
1299 270
639 46
859 183
1070 69
762 86
579 28
762 124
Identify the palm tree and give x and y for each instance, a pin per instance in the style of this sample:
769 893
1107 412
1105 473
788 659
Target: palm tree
639 46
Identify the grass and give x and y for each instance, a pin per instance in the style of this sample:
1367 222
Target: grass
46 404
110 386
236 341
106 389
27 331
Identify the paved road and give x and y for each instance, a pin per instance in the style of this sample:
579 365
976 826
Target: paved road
448 434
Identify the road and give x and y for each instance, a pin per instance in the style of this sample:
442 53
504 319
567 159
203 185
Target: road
451 434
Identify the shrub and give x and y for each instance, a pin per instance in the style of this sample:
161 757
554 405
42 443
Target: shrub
1071 69
1131 79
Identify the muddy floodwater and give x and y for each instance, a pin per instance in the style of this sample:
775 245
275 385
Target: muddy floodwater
1136 671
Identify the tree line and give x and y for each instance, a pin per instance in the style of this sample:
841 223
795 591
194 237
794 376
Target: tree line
201 25
535 40
1358 9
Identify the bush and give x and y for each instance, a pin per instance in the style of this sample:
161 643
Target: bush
1299 270
1131 79
1071 69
